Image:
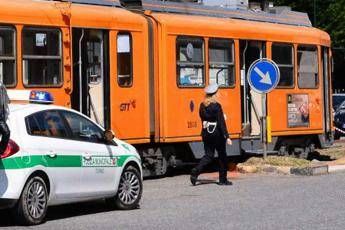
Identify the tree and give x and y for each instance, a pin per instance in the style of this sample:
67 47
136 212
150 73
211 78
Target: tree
327 15
335 22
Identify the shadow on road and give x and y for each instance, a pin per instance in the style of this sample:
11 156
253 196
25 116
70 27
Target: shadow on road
79 209
6 220
317 156
205 182
62 212
213 167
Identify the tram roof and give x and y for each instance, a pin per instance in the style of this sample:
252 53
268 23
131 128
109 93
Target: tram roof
284 16
95 2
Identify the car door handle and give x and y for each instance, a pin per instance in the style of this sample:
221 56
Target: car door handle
52 154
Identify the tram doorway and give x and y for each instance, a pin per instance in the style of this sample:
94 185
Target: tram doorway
90 74
251 105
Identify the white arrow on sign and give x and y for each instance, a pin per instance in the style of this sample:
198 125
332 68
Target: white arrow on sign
265 78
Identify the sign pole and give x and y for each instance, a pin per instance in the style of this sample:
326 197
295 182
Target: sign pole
263 77
264 124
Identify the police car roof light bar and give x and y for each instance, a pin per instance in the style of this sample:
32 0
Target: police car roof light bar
30 96
41 97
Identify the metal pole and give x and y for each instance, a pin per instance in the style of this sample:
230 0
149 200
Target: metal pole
314 12
80 74
245 100
264 124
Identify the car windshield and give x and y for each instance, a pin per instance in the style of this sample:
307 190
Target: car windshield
337 100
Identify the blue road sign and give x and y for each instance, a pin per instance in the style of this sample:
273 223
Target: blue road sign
263 75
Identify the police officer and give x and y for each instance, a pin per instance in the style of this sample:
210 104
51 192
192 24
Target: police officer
4 112
214 135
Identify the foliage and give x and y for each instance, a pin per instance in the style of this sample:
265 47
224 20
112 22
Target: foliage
328 15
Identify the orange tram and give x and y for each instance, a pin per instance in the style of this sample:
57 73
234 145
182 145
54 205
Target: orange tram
141 70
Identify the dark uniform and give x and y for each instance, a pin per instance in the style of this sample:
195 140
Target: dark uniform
4 111
214 135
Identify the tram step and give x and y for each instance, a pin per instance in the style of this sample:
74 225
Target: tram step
246 138
261 152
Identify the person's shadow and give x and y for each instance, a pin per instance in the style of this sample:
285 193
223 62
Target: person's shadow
205 182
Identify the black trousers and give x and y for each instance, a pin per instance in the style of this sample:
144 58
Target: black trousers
5 136
210 145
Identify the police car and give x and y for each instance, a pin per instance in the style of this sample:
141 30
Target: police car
58 156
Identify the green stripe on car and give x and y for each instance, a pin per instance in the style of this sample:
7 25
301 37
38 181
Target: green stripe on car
62 161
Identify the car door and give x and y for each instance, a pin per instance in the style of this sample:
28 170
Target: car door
48 144
98 159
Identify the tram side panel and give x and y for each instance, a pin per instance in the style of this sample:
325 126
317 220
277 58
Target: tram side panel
180 100
37 64
129 86
296 107
185 69
125 67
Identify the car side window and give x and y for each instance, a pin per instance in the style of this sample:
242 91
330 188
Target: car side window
83 129
33 127
47 123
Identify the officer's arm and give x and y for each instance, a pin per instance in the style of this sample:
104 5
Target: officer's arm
221 122
202 112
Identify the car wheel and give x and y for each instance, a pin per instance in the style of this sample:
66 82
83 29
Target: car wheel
130 190
33 203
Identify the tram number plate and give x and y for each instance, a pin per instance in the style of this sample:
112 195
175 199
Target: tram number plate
192 124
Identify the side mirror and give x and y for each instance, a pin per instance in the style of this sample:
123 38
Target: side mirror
109 135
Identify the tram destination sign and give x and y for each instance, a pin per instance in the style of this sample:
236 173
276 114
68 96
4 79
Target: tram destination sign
263 75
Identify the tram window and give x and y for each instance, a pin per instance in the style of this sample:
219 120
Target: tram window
190 61
124 60
221 64
308 72
42 57
7 56
282 54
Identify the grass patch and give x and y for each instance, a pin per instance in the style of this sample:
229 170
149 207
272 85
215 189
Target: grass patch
336 152
277 161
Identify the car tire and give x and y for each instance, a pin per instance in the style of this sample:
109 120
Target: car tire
32 206
130 190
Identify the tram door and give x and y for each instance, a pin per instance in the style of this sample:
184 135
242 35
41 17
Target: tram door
89 74
251 106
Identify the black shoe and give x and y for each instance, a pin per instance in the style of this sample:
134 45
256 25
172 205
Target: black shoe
193 177
225 182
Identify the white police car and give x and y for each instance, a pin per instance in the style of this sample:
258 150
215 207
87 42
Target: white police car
58 156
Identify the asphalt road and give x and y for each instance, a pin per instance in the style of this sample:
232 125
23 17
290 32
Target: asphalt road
253 202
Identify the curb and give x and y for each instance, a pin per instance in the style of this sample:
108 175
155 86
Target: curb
317 170
310 170
336 168
313 170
